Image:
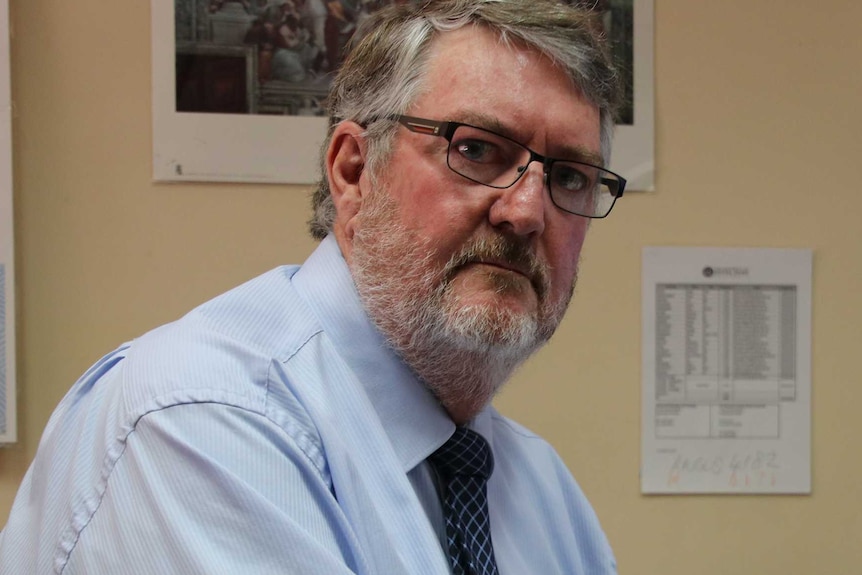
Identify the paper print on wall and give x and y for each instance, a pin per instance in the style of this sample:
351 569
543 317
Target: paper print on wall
240 87
629 27
726 371
7 276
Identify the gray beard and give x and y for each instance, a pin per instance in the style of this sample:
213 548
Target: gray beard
463 353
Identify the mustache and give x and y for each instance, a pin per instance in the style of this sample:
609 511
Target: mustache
513 251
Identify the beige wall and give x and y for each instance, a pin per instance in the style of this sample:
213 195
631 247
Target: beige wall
758 144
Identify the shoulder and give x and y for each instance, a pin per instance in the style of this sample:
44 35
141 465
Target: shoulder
220 355
512 438
221 351
530 461
540 500
172 391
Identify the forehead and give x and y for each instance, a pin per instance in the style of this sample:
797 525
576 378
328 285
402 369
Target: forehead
472 74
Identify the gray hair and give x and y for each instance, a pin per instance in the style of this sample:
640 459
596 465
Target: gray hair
383 72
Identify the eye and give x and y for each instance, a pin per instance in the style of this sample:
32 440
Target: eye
485 157
476 150
570 179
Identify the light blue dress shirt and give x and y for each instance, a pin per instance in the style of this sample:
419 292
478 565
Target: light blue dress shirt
271 430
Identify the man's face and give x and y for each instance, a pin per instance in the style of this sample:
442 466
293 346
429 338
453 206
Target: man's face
497 266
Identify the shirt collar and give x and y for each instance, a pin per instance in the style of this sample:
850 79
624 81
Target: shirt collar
415 422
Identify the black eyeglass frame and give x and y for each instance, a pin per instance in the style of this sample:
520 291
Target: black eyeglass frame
446 129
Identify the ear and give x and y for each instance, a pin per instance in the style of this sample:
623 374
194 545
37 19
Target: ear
345 164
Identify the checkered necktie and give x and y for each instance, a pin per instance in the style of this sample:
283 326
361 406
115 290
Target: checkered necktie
465 463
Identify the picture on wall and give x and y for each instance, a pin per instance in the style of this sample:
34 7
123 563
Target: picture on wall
8 426
240 86
262 56
629 28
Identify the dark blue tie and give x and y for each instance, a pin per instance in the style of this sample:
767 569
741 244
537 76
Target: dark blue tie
465 463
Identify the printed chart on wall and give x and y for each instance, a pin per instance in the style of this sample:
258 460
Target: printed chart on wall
726 370
7 291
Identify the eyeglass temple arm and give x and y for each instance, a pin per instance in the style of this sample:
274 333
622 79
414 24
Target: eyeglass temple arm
617 184
421 125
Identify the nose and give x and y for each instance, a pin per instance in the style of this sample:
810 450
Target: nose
520 209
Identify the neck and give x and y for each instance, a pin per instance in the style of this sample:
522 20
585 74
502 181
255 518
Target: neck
464 381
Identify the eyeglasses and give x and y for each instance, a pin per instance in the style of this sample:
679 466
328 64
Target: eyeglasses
493 160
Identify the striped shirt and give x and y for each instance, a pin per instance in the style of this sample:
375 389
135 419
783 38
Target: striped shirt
272 430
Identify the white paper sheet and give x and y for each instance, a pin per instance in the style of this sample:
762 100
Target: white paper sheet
7 274
205 147
726 370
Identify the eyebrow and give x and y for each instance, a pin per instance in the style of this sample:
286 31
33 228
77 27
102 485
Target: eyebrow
484 121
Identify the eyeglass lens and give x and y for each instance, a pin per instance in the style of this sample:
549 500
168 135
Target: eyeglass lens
496 161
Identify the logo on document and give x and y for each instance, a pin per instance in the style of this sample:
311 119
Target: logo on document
710 271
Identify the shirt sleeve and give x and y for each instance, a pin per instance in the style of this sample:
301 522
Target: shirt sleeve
212 488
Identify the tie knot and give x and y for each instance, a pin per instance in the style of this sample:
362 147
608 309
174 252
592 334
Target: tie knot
466 453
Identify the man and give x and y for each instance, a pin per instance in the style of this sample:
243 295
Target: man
301 422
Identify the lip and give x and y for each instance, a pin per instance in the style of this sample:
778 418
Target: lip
505 266
522 271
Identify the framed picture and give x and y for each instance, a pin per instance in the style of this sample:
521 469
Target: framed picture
216 115
239 86
630 27
8 427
